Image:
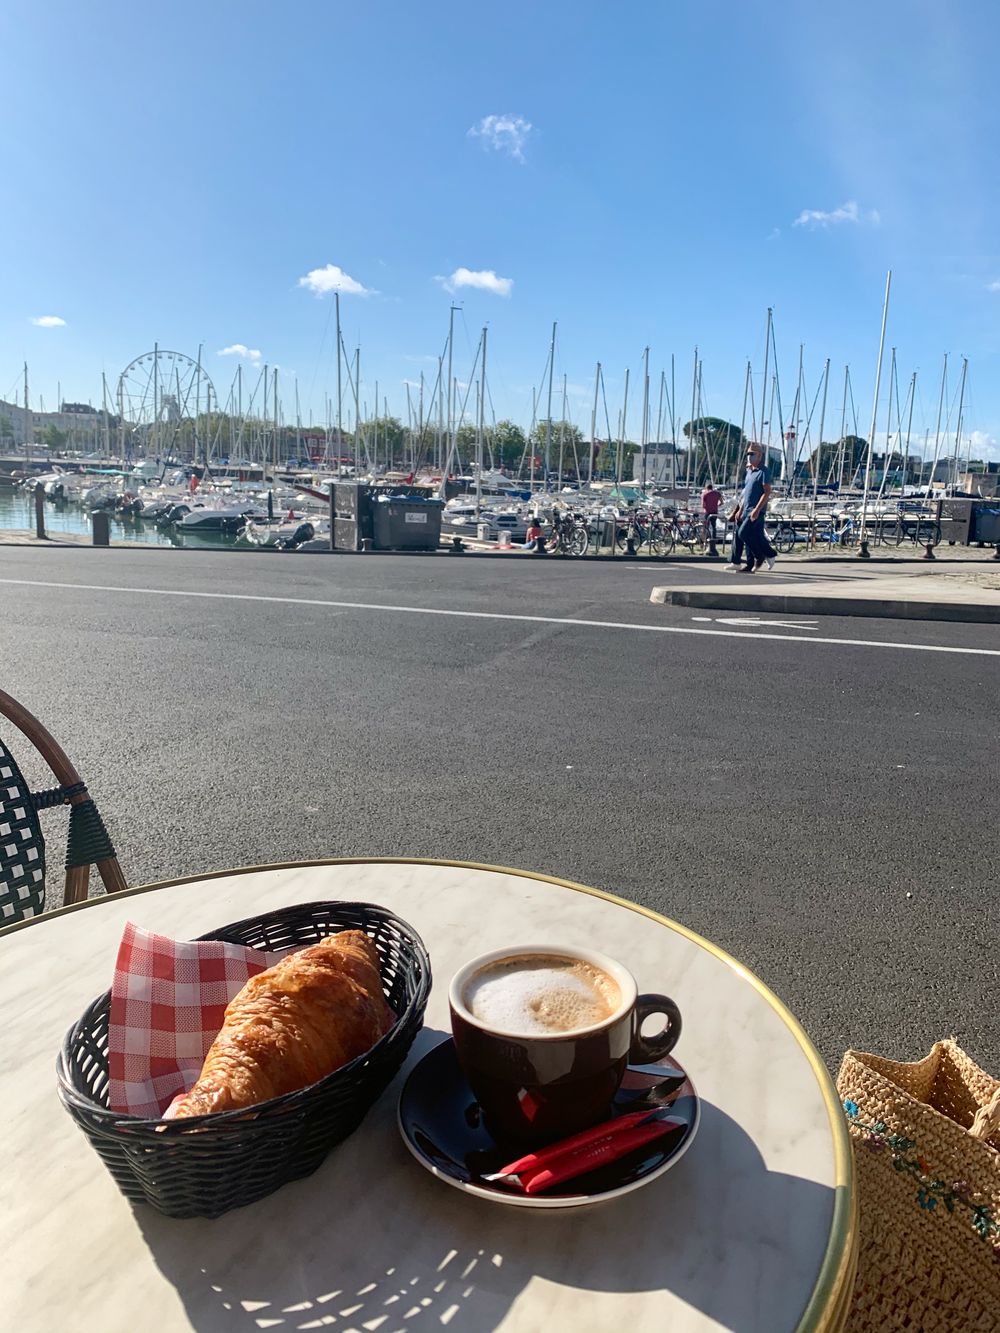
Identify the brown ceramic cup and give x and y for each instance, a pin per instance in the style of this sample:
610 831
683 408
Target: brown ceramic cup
535 1088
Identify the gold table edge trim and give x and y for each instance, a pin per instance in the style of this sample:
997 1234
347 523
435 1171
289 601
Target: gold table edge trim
827 1308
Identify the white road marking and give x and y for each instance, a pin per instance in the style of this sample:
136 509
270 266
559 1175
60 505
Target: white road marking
495 615
756 620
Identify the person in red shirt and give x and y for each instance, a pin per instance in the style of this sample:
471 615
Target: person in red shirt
711 499
533 537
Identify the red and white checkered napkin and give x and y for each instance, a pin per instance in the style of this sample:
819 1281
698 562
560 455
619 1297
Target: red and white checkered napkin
168 1002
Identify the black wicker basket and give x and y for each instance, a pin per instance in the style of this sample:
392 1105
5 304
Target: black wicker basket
201 1166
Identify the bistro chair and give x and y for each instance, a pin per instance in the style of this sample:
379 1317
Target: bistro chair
22 846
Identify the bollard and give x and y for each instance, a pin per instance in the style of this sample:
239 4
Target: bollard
366 543
863 552
713 550
40 510
996 553
457 546
540 547
102 527
928 552
630 545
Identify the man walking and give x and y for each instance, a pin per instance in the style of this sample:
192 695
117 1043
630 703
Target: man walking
749 515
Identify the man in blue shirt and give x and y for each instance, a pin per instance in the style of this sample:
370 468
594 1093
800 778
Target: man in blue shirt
749 514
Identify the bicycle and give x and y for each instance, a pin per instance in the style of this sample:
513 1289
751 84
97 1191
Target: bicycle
645 530
783 537
691 531
570 535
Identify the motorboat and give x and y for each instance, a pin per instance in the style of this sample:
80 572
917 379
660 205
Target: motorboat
217 518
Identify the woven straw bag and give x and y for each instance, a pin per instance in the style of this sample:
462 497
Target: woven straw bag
926 1142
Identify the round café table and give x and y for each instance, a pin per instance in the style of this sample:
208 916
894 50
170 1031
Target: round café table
753 1230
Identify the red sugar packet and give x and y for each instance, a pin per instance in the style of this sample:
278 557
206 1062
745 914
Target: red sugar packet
586 1151
168 1003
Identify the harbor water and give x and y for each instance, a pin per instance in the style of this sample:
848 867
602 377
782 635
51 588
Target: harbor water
17 511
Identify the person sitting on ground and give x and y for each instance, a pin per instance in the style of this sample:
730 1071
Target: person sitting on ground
533 538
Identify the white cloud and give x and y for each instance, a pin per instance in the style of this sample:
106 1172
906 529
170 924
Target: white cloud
48 322
330 278
240 349
484 279
849 212
504 134
993 286
983 445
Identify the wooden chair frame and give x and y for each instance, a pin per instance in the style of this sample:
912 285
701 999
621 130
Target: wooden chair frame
77 877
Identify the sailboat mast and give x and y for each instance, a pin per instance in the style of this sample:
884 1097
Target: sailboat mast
340 396
644 437
862 536
548 414
156 393
197 407
107 424
937 432
275 404
888 423
593 425
747 388
479 432
562 435
819 446
451 388
27 415
909 427
958 423
764 384
798 422
357 410
622 432
693 428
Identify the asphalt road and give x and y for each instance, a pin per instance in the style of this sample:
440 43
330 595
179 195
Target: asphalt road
779 794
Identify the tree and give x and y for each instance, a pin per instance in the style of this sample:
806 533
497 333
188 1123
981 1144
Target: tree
53 437
827 457
508 441
465 445
564 436
715 443
385 437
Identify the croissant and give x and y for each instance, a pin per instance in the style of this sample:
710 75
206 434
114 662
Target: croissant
293 1024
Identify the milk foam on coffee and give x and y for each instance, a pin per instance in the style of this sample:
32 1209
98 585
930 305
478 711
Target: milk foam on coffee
541 994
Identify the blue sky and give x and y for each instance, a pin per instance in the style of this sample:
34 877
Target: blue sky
651 174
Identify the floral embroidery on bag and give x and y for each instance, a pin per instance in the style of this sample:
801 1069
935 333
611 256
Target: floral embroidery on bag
931 1191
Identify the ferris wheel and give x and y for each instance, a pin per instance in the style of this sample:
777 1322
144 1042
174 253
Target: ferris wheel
161 398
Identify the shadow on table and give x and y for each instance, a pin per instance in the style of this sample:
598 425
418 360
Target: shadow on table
420 1254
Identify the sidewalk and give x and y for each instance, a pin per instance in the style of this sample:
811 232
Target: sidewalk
901 593
26 537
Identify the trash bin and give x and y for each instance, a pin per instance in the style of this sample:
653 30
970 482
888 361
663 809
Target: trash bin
351 504
986 525
407 523
955 516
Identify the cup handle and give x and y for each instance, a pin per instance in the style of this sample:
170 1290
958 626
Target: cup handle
647 1050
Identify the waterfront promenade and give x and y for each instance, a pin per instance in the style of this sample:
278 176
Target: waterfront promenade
781 784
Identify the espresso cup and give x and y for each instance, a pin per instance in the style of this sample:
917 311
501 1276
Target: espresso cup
536 1086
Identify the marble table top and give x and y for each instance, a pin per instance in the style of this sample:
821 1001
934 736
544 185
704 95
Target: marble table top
752 1231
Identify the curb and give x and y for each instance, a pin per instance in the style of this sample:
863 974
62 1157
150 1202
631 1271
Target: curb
798 604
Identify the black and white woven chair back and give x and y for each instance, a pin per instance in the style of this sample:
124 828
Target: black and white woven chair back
22 847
